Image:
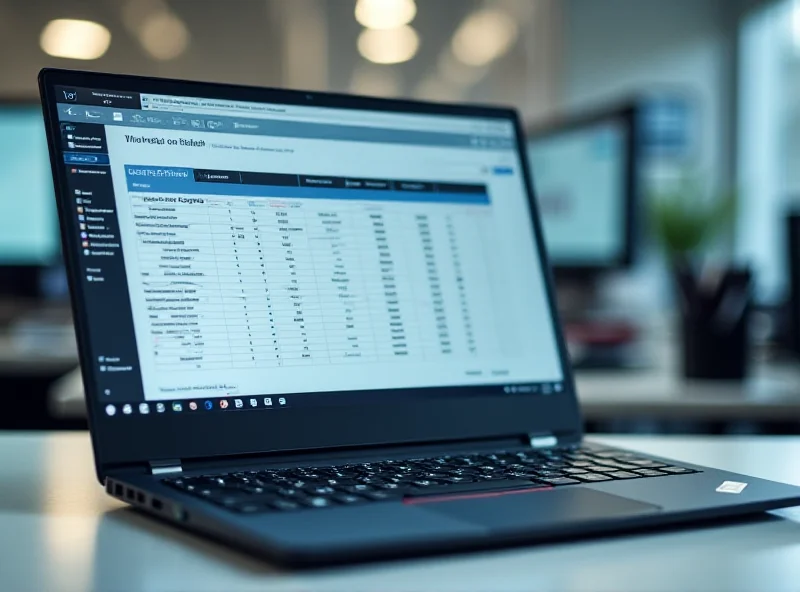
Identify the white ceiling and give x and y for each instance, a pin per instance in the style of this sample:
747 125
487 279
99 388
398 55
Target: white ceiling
240 41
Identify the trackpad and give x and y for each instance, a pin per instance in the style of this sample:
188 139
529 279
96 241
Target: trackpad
541 509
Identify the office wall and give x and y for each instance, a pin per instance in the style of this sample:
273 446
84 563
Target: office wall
614 48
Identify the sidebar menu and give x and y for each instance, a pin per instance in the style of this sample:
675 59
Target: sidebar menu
93 212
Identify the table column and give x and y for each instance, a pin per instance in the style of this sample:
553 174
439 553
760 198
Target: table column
386 278
335 239
242 269
293 286
428 256
472 248
181 286
471 306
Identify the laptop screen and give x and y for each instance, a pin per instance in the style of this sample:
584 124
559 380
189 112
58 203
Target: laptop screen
239 256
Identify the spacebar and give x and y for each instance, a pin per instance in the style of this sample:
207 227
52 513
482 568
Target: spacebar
458 488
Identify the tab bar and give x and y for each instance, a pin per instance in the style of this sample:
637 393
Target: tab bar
207 176
314 181
274 179
459 188
367 184
413 186
92 96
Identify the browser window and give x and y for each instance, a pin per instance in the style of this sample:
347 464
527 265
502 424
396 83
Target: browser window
311 257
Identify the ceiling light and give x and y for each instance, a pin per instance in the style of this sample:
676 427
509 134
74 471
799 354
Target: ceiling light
484 36
388 46
796 24
164 36
385 14
75 39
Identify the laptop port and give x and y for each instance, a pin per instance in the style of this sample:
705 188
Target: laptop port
140 497
119 491
157 504
179 514
129 494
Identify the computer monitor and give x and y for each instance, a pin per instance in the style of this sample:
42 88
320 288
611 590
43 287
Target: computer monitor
29 240
584 172
793 260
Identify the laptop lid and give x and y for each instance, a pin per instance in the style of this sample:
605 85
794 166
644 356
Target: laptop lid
256 270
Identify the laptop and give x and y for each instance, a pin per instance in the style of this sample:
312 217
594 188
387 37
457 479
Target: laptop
321 328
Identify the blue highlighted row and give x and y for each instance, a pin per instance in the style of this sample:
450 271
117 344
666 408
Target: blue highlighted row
154 179
81 158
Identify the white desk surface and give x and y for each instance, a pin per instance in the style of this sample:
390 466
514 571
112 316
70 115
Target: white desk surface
771 391
60 532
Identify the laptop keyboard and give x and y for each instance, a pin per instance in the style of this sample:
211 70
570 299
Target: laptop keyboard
275 490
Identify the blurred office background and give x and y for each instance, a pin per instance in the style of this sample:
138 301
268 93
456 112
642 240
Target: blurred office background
626 101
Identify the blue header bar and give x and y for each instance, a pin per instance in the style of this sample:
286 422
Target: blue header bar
156 179
274 128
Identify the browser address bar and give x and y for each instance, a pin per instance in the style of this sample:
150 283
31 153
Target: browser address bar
197 106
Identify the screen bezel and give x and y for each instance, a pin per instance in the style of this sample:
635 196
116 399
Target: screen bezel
627 114
120 441
21 279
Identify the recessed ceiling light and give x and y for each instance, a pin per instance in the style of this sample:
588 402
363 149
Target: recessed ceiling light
385 14
484 36
164 36
388 46
75 39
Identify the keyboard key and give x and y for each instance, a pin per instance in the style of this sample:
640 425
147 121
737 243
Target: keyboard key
591 477
319 490
605 454
676 470
460 479
649 472
601 469
356 489
624 475
347 498
318 502
249 508
646 463
379 496
561 481
284 505
621 465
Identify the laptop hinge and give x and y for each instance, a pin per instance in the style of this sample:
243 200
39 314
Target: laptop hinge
165 467
539 441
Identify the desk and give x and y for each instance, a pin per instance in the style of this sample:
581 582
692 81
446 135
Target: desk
770 394
59 532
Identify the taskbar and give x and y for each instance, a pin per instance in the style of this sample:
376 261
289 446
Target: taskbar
234 403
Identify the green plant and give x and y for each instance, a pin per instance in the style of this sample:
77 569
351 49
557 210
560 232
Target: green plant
685 219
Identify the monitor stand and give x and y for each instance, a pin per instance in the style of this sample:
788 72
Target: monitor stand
597 338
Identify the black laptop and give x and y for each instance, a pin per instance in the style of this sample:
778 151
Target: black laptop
321 327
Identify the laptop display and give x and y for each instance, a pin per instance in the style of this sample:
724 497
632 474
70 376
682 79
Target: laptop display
239 255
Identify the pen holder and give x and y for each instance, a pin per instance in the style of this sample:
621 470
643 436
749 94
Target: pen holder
714 326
